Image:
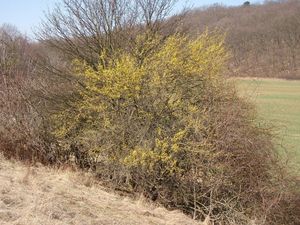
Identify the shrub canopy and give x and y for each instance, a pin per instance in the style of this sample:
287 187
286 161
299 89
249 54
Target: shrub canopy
161 120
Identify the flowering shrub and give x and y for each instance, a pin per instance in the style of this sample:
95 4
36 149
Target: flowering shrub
162 121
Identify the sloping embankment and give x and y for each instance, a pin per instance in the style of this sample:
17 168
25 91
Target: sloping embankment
39 195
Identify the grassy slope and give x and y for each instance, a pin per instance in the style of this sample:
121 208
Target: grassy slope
278 101
37 195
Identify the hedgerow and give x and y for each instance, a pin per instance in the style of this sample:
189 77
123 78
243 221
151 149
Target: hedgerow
167 125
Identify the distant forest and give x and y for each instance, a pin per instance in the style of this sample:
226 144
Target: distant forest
264 40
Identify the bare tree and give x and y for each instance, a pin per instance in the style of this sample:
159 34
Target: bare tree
84 28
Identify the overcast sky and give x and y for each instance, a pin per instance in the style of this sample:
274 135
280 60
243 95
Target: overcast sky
27 14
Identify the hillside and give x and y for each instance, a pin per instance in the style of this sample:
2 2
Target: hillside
264 39
38 195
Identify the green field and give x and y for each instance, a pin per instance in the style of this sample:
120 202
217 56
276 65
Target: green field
278 101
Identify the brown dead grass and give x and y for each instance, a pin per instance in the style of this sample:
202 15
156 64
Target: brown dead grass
38 195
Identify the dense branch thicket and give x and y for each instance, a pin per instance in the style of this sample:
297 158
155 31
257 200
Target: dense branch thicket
146 110
264 39
173 129
19 121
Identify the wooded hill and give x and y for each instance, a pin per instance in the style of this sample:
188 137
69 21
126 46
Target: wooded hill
264 39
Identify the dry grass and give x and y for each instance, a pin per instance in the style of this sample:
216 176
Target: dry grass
38 195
